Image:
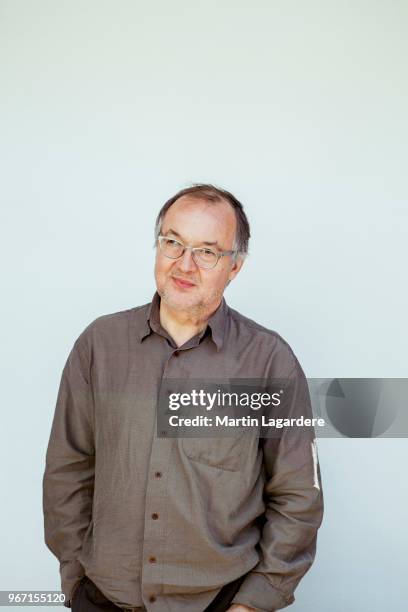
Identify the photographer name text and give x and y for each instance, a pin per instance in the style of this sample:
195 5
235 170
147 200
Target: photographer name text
245 421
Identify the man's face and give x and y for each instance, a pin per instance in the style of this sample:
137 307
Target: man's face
196 223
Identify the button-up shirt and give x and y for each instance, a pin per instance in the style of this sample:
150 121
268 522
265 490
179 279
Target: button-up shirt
162 524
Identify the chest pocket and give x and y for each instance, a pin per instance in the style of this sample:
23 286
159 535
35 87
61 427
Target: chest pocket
226 453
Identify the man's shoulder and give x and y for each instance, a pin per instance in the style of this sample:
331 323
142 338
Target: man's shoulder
118 317
266 341
111 324
257 329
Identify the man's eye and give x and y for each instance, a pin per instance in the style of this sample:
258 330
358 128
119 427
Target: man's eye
172 242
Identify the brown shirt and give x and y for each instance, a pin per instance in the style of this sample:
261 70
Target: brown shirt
162 524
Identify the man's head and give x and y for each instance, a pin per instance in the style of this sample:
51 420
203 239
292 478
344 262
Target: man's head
207 217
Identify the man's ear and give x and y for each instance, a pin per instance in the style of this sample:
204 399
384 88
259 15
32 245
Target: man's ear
235 268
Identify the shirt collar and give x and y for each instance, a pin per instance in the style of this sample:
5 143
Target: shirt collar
217 321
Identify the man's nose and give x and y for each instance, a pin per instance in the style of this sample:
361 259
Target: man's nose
186 262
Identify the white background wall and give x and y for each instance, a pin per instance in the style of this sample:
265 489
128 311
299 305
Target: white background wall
300 109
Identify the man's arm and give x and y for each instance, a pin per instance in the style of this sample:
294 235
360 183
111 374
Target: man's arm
294 508
68 480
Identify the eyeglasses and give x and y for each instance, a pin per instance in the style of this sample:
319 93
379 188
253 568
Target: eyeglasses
203 257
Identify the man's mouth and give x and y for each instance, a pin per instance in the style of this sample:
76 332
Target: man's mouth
181 283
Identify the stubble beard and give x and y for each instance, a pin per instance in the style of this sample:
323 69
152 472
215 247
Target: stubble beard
197 307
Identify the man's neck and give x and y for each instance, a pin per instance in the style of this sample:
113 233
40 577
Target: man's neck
182 324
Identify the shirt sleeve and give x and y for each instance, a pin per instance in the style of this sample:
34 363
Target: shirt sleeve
294 508
68 480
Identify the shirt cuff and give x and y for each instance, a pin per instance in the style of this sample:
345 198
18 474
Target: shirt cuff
257 592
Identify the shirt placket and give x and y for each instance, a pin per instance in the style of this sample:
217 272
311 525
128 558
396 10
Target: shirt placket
155 537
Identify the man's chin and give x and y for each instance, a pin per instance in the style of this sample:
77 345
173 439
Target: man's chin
180 302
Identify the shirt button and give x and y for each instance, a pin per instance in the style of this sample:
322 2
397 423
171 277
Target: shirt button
155 516
176 353
152 599
158 474
152 559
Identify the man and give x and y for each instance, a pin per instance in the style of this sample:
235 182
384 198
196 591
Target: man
144 522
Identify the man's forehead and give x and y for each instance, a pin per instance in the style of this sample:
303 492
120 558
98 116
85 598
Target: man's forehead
197 220
213 213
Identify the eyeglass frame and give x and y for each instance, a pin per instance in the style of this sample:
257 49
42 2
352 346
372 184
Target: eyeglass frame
219 254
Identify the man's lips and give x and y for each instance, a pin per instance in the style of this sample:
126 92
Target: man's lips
183 284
